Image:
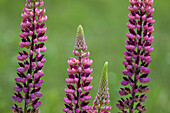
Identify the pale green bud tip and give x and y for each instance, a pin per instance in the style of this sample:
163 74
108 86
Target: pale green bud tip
80 42
104 77
80 31
105 68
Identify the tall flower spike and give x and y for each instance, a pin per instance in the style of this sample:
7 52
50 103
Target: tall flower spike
137 56
31 60
79 78
102 98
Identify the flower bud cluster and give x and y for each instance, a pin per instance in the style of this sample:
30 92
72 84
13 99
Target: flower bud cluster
80 41
34 3
31 60
137 56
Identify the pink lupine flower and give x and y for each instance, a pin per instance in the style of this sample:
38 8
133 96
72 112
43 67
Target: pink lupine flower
78 87
30 61
137 56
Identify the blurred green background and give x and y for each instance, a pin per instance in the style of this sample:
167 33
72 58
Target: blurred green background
104 23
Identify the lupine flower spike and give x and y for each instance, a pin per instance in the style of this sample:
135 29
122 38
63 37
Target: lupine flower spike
79 78
31 59
102 99
137 56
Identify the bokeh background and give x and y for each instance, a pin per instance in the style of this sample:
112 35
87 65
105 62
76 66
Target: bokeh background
104 23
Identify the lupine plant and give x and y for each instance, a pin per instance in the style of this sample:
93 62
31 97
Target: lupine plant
102 99
79 79
137 56
31 59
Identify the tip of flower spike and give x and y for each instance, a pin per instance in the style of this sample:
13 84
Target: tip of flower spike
80 42
105 68
80 30
104 77
80 33
106 65
102 98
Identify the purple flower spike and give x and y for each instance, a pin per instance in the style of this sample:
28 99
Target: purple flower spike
78 87
137 56
31 60
102 99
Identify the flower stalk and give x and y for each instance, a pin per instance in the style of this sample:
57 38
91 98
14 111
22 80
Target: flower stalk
79 78
137 56
30 60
